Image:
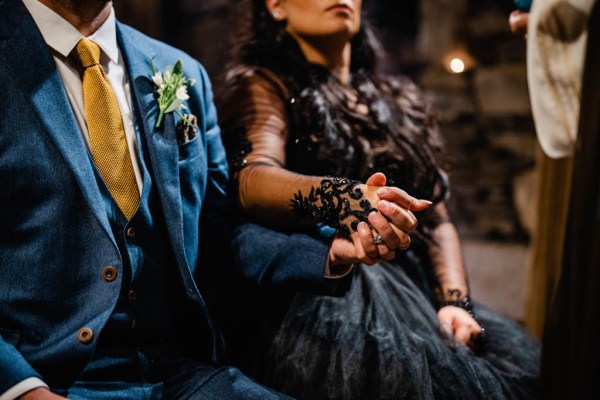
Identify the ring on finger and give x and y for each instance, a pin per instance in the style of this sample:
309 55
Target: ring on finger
378 239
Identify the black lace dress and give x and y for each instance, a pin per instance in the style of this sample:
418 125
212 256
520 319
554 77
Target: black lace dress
382 339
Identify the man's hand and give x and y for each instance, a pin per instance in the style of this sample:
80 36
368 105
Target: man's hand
518 22
344 250
459 324
40 393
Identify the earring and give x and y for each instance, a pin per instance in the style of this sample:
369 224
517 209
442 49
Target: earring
276 15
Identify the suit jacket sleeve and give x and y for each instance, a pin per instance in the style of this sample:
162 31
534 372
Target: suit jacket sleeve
13 366
277 259
255 126
215 215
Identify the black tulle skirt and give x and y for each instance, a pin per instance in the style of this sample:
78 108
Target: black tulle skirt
382 340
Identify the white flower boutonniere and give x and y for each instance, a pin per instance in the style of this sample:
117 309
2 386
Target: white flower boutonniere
171 87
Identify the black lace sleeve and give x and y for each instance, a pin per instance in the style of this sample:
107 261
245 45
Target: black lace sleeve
255 128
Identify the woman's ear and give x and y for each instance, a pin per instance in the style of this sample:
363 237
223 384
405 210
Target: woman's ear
276 10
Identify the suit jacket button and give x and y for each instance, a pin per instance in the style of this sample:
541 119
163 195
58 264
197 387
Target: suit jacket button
130 232
85 336
109 273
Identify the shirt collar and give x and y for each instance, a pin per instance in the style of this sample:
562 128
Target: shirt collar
63 37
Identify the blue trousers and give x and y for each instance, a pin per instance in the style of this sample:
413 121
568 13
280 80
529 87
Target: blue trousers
120 372
198 382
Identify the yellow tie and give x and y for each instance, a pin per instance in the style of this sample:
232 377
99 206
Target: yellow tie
105 129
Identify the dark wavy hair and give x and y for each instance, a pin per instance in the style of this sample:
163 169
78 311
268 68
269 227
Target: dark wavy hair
397 135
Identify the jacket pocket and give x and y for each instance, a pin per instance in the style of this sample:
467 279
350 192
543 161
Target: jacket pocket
189 150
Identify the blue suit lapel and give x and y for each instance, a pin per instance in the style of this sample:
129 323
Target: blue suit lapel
162 141
26 53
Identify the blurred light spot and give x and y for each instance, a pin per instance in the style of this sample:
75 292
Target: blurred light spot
457 65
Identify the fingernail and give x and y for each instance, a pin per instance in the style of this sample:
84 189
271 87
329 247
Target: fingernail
374 216
382 192
383 205
426 201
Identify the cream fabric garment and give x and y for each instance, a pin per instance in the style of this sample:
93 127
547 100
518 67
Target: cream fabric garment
557 35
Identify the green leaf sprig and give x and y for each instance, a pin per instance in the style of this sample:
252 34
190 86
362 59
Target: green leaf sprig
171 87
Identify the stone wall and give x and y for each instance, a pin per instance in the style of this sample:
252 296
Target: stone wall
484 113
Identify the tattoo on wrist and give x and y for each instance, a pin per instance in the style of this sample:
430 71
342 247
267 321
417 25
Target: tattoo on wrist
330 204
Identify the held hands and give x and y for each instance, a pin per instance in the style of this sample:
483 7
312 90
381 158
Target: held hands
458 324
392 224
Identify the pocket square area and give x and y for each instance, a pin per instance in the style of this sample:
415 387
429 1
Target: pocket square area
187 131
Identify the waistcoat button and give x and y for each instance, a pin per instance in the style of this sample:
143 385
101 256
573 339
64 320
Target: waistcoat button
85 336
109 273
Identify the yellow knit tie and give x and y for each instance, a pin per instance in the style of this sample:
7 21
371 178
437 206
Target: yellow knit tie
105 129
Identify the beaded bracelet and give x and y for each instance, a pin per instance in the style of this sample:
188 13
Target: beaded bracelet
461 302
464 303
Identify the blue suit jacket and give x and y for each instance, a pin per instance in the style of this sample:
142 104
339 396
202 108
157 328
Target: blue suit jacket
55 238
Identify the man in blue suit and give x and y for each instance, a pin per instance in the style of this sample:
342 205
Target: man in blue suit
104 209
98 295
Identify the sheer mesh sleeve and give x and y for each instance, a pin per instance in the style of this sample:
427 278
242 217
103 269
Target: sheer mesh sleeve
256 129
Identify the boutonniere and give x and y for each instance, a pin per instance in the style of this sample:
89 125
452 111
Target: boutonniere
171 88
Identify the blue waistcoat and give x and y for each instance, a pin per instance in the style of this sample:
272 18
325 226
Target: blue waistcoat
148 324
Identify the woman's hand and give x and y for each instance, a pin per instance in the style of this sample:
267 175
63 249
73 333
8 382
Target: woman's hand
460 325
392 223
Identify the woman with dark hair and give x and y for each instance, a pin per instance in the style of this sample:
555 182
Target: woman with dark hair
305 116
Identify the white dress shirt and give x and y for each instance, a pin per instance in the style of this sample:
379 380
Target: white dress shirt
62 38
